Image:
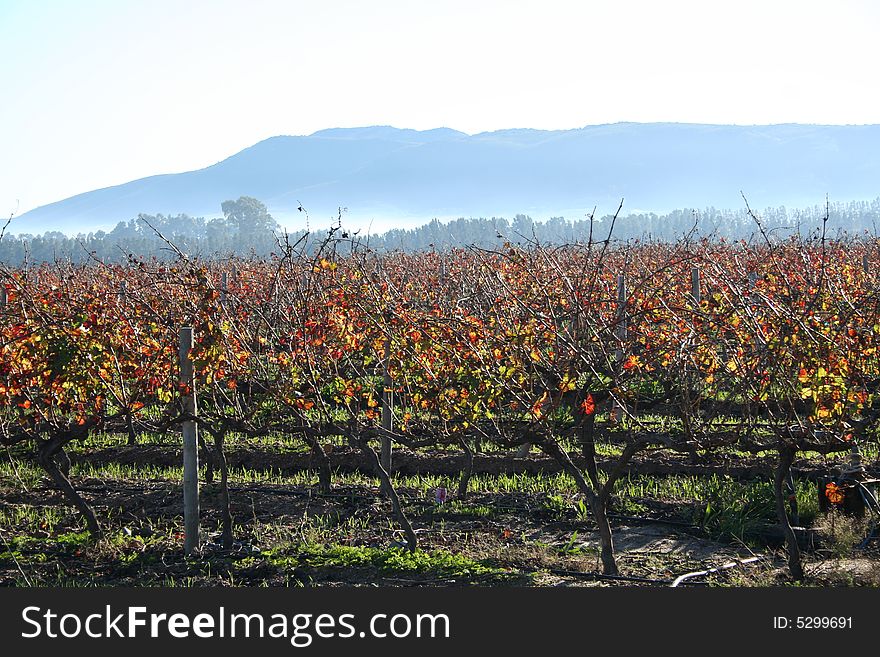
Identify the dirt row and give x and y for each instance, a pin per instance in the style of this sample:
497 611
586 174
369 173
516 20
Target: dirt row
534 544
407 462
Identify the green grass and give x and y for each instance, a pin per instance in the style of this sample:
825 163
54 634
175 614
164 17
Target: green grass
149 472
18 472
25 517
386 562
523 483
728 509
276 442
462 509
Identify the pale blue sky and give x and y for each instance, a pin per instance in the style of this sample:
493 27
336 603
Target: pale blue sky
100 92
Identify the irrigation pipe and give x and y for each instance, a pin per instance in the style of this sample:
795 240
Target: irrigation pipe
699 573
658 521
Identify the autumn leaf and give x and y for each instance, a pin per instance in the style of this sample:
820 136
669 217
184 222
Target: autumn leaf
834 493
588 405
536 407
567 383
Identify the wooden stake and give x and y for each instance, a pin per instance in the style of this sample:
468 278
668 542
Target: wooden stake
695 285
387 415
616 409
190 447
387 399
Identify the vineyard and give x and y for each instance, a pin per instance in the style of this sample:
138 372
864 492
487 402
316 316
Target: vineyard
532 415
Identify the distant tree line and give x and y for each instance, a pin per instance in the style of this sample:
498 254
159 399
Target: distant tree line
246 228
843 218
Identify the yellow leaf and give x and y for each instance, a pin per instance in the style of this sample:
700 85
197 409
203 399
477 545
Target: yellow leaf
566 384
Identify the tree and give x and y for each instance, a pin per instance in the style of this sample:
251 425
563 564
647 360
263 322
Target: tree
247 214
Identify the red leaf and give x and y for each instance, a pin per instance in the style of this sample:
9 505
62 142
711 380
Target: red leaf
589 405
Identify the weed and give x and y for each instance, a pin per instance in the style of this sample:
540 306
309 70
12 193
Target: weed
842 532
392 561
459 508
557 505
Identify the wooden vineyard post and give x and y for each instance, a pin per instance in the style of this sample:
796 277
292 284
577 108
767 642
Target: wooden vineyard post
3 297
866 263
123 285
695 286
224 286
234 278
387 415
387 403
621 332
190 447
621 306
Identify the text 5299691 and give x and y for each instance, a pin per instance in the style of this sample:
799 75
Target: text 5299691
812 623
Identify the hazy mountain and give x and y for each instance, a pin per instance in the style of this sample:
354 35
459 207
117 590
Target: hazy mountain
398 177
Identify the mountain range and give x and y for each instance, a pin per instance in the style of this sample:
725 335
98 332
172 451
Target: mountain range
388 177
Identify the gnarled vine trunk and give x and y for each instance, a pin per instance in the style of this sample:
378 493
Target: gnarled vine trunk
55 462
322 463
781 474
598 504
388 489
225 510
467 470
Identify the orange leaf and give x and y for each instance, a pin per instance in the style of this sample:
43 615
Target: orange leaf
834 493
589 405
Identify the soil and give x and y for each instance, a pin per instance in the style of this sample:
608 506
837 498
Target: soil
515 538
